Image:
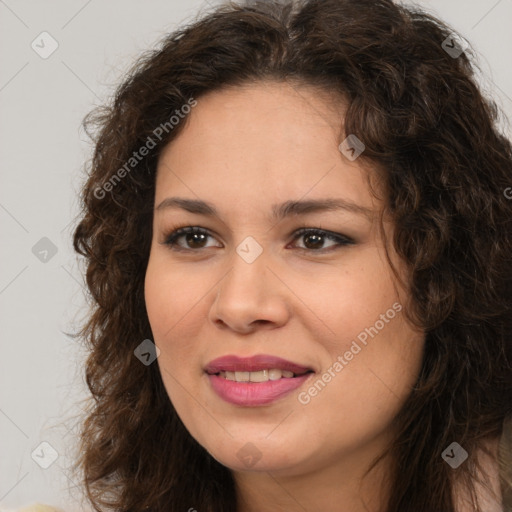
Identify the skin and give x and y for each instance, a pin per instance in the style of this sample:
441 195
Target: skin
244 149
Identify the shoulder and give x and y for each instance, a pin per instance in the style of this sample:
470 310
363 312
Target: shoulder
488 487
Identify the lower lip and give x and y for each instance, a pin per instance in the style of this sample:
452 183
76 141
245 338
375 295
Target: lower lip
250 394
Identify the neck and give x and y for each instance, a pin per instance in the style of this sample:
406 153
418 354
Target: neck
340 485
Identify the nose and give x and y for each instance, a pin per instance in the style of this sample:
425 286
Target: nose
250 296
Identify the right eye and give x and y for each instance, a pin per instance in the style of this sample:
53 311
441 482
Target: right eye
193 236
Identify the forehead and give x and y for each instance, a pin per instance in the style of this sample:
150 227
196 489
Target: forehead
261 143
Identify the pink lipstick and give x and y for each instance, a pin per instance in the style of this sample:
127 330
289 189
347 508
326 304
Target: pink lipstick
254 381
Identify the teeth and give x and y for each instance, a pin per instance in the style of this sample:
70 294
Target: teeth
275 374
242 376
260 376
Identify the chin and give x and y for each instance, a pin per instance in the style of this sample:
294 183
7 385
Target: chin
256 455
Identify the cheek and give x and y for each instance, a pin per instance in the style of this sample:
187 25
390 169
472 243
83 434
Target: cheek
362 313
172 304
349 298
170 294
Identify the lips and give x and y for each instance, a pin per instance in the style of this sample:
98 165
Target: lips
255 381
254 364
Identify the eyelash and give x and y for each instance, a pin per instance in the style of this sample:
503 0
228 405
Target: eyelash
341 240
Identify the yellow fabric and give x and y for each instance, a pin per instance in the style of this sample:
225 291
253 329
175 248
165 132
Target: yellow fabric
39 507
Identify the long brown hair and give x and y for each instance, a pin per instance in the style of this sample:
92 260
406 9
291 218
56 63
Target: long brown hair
447 172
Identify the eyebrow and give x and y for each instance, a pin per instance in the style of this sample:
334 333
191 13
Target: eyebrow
278 211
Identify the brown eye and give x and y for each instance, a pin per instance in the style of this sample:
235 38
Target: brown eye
195 238
314 239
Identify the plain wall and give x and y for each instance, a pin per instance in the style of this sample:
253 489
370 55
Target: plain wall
42 151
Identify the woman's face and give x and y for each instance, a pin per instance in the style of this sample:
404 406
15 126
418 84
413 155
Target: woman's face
252 285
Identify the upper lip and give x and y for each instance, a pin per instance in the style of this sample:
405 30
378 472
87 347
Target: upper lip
232 363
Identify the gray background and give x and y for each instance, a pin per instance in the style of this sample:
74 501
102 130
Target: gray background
43 150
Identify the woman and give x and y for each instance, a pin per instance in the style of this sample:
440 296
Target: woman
298 237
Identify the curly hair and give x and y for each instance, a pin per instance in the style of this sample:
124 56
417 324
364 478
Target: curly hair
445 167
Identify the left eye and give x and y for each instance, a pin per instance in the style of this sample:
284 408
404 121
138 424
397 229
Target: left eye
315 238
318 236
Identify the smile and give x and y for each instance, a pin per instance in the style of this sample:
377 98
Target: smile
255 381
260 376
